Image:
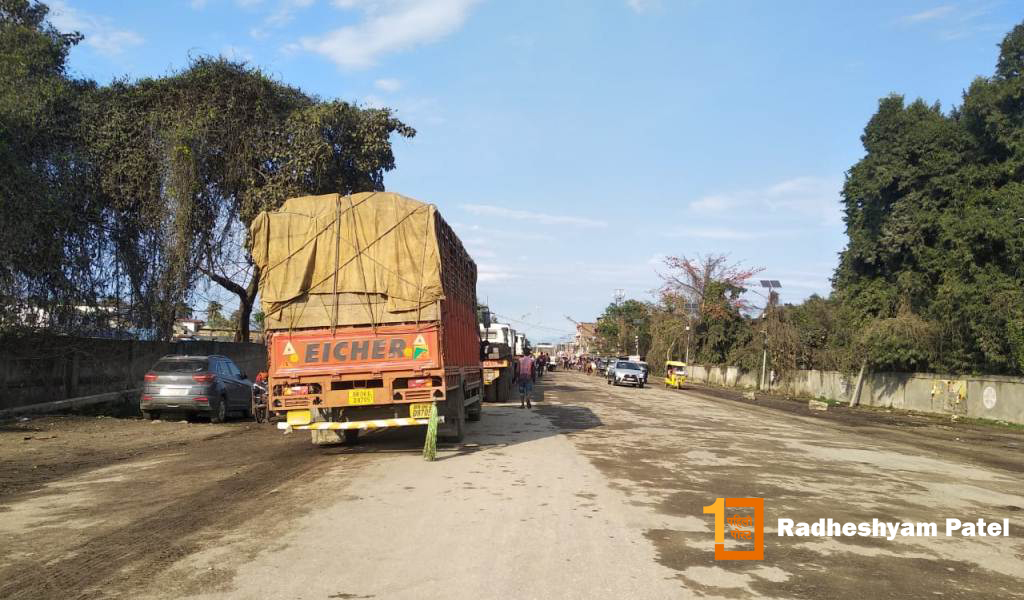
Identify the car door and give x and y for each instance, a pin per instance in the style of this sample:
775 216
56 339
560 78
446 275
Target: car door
240 382
227 380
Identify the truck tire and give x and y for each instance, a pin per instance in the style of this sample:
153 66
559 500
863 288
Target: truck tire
502 391
475 411
455 419
491 392
351 437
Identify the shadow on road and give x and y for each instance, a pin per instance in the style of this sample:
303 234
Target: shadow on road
502 425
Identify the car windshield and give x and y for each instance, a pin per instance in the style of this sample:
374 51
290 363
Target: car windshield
180 366
628 365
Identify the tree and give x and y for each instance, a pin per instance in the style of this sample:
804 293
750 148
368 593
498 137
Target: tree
50 222
705 294
624 328
932 213
195 156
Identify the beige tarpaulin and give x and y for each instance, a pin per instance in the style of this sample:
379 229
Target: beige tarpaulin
359 259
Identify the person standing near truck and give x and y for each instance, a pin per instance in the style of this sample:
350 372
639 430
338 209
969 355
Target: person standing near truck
526 375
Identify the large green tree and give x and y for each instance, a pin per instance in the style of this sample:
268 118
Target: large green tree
51 224
625 328
141 191
193 157
935 242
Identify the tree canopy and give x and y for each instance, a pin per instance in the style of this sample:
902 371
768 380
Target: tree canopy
139 191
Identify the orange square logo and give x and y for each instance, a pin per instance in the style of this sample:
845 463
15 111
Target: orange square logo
741 527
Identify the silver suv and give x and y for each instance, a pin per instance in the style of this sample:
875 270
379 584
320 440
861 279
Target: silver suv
211 385
627 373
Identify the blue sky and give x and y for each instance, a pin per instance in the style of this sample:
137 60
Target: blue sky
574 143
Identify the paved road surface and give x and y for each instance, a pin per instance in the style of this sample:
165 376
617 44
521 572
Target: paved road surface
597 493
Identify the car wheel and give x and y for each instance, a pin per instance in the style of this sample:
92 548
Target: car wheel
220 412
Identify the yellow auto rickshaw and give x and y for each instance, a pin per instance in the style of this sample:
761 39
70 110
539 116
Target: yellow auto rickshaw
675 374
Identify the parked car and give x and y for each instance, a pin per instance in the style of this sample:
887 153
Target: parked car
208 385
626 373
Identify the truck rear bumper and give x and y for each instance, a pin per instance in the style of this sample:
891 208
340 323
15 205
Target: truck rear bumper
372 424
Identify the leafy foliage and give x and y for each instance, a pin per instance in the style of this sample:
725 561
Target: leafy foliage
141 190
935 242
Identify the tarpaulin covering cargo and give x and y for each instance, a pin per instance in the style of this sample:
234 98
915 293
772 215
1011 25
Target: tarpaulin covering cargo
367 258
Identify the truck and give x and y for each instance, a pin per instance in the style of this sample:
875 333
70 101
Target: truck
499 361
522 345
369 305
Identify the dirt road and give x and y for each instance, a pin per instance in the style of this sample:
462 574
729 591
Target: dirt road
597 493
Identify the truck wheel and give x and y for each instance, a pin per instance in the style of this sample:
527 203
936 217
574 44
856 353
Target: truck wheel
351 436
455 419
474 412
491 392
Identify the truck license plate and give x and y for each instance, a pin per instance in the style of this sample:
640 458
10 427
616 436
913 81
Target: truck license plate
420 410
360 396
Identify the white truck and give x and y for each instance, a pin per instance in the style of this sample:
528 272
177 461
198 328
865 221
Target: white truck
522 344
499 361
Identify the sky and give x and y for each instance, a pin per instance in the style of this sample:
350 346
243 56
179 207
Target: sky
573 144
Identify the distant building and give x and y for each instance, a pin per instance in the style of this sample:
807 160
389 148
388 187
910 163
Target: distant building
187 328
586 338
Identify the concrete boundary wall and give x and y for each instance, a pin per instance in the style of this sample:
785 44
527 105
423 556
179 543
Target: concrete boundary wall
993 397
49 368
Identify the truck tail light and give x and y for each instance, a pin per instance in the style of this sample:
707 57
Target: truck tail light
201 400
203 377
150 377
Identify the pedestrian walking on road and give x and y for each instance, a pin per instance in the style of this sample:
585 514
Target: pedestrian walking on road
526 375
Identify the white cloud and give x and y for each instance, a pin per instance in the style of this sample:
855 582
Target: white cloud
816 197
389 26
716 203
237 53
500 234
525 215
715 233
488 272
932 14
279 17
388 84
642 6
100 32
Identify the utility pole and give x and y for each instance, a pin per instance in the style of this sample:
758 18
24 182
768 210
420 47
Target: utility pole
772 285
687 345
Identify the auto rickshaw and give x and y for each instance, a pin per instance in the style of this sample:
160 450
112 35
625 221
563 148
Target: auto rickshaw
675 374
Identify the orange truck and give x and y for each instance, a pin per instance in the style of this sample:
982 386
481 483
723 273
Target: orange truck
369 305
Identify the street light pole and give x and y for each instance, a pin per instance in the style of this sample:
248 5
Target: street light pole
687 345
771 284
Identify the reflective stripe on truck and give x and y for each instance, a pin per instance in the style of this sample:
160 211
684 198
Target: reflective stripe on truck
374 424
